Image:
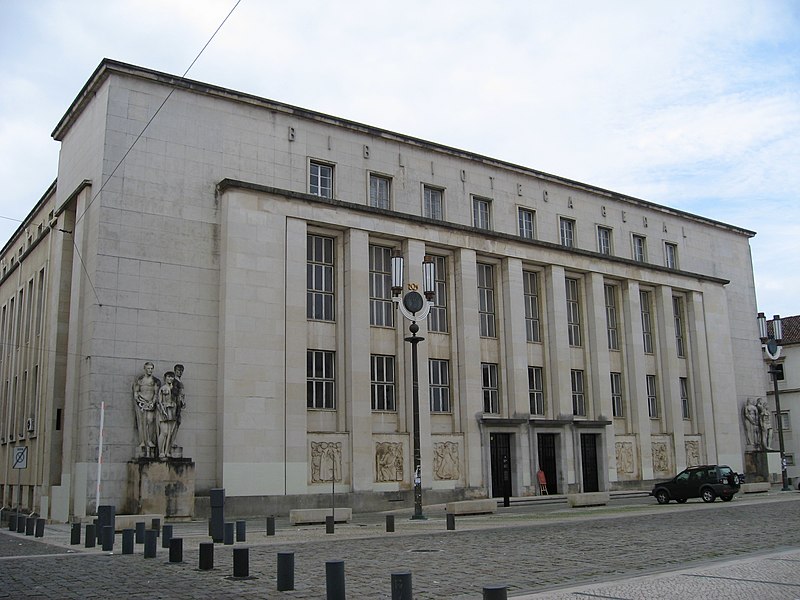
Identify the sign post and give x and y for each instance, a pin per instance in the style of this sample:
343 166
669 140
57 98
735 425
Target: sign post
19 462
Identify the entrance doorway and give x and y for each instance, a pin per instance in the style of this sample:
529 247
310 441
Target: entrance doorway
589 462
547 460
500 448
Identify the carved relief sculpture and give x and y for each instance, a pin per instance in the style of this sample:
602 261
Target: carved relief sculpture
326 462
660 457
765 425
167 415
145 389
751 425
388 461
624 451
692 453
445 461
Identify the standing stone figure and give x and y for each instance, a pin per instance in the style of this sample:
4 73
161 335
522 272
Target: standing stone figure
179 395
751 423
167 416
765 424
145 388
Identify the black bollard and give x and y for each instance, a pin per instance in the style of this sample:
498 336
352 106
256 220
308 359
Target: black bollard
166 536
334 580
91 536
401 586
98 531
40 527
241 562
140 532
127 541
21 522
175 550
451 522
12 522
389 523
75 534
495 592
270 525
150 537
329 524
30 525
227 537
156 525
285 571
107 538
217 498
106 514
206 556
241 531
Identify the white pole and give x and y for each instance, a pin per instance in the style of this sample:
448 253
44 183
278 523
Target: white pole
100 455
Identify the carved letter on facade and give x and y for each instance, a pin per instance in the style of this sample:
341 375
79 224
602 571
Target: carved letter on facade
445 461
326 462
388 461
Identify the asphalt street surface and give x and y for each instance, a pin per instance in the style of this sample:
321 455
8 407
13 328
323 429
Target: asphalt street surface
538 548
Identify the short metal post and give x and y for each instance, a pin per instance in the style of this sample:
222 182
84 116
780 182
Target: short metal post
401 586
217 500
75 534
495 592
140 532
12 522
334 580
156 525
106 514
30 525
127 541
98 531
175 550
206 556
91 536
241 531
228 536
150 537
21 521
107 538
451 522
166 536
329 524
285 571
241 561
40 527
389 523
270 525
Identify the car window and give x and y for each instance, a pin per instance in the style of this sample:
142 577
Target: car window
725 471
682 477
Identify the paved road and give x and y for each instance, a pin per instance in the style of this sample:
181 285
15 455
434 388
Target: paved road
531 548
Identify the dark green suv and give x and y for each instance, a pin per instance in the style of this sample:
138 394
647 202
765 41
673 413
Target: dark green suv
706 482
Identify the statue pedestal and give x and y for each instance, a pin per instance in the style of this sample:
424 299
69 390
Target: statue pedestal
756 466
163 487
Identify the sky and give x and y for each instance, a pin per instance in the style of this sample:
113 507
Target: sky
693 104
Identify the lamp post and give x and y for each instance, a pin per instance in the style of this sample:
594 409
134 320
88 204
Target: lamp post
772 348
414 308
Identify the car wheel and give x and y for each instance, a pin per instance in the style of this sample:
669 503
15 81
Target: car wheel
662 496
727 497
681 500
708 495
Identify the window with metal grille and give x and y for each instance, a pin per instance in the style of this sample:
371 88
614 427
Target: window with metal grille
530 281
491 390
382 382
319 278
381 307
320 379
439 385
486 304
573 312
536 390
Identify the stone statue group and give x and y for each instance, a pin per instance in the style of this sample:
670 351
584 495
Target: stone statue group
757 424
158 411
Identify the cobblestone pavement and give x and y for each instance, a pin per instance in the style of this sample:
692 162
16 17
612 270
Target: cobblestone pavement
523 547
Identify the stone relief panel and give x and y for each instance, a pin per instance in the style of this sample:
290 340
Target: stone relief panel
388 461
624 452
446 461
692 453
661 462
326 462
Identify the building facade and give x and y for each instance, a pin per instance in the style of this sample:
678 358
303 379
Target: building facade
606 339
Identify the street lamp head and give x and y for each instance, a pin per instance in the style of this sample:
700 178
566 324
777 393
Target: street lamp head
762 326
777 328
397 273
428 277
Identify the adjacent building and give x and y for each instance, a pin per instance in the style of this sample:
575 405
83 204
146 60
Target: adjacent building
604 338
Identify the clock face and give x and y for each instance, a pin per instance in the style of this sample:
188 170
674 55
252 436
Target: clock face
413 302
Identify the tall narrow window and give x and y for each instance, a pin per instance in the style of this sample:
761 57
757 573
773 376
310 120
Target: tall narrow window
617 404
486 302
578 393
491 390
677 309
530 281
639 248
573 312
439 385
320 380
527 226
536 390
40 303
382 382
319 278
320 180
432 203
437 318
604 240
379 190
647 322
652 397
685 408
610 292
567 230
481 213
381 307
670 255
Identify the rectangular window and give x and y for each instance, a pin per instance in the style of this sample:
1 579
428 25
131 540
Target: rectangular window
382 382
536 390
491 390
647 322
783 422
578 394
671 255
486 306
530 281
573 312
379 190
320 180
481 213
319 278
677 309
527 226
685 409
617 405
320 381
439 385
639 248
437 318
567 230
432 203
652 397
381 307
604 240
610 292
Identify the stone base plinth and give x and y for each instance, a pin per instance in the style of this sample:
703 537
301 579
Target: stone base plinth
162 487
756 468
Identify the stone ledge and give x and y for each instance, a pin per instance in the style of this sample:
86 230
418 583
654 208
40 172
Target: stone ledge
588 499
129 521
305 516
755 488
472 507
